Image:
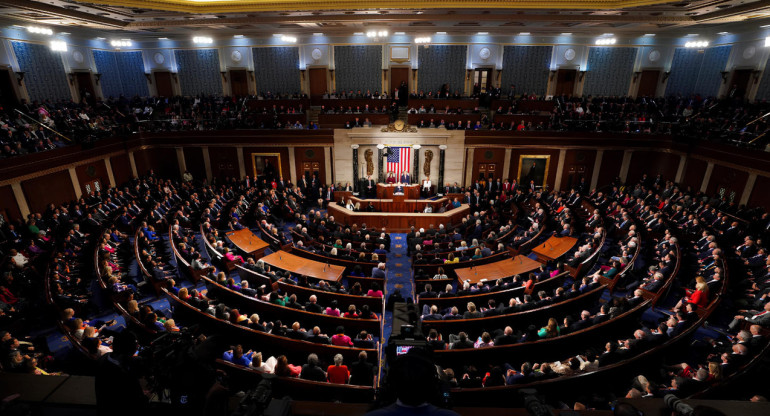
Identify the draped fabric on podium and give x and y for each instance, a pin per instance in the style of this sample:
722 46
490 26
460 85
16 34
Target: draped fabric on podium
398 159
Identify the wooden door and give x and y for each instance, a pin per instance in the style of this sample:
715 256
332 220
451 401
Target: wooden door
85 87
318 85
163 84
239 83
92 185
648 83
8 97
482 78
565 81
397 76
739 83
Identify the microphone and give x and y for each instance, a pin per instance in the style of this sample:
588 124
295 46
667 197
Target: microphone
549 245
521 260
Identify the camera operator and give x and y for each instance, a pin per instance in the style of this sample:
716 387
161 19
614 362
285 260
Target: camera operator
118 391
414 380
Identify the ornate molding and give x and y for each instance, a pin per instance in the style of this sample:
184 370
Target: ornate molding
403 128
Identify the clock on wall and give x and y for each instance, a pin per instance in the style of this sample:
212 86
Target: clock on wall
569 54
749 52
159 58
316 54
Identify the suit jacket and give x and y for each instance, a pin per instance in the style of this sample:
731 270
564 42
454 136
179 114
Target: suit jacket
361 373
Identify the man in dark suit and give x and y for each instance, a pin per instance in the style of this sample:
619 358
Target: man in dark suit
459 341
317 337
296 332
507 337
313 306
584 322
405 177
362 371
428 292
434 341
311 371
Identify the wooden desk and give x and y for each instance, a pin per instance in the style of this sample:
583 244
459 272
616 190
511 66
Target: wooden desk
247 242
554 248
399 203
303 266
442 103
338 120
497 270
385 191
398 221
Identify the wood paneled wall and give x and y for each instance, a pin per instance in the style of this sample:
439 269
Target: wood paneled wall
8 207
55 187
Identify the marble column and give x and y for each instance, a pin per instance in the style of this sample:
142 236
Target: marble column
416 168
355 168
441 156
380 175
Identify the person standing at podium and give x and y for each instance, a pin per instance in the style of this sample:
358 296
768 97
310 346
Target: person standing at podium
426 186
399 189
406 178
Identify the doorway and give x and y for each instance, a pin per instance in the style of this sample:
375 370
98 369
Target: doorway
163 84
85 86
239 82
739 83
648 83
565 81
397 77
8 98
482 80
318 85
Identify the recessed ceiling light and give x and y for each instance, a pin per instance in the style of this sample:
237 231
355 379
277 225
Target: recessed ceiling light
277 35
764 26
723 33
524 33
689 35
238 36
608 34
649 35
483 33
64 33
100 38
318 34
399 33
358 33
566 34
441 33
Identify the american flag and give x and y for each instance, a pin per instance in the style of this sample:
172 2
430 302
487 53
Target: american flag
398 159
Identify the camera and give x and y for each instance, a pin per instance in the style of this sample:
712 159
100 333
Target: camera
676 405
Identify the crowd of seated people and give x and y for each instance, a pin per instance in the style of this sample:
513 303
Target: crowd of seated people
360 373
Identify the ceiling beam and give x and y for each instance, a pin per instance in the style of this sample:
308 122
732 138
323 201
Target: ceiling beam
60 12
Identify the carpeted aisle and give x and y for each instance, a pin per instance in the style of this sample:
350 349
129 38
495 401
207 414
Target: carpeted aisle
399 276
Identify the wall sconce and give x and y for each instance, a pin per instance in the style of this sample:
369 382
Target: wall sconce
331 74
581 75
636 75
724 76
149 78
19 77
251 74
665 76
224 75
71 77
97 77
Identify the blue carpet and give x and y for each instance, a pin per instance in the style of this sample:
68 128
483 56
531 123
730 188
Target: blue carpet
399 276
